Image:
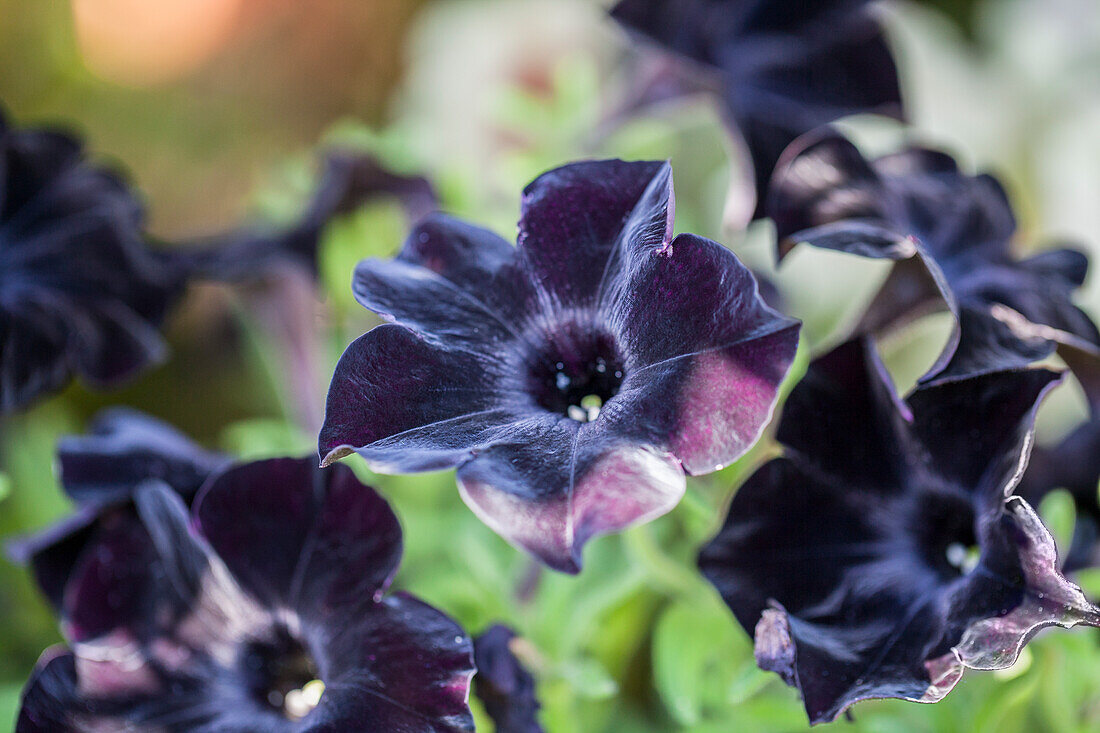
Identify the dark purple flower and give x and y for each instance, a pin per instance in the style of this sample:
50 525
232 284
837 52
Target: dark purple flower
347 181
503 684
100 472
950 234
885 551
264 610
1073 465
573 379
784 67
80 294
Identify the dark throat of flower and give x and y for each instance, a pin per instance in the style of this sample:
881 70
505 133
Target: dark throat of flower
946 535
576 376
282 675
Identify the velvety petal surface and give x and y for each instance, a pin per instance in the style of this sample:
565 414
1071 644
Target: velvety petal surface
314 541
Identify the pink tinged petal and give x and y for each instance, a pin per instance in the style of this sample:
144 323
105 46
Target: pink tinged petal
728 400
602 486
1048 599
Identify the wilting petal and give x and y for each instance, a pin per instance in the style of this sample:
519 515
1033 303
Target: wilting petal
505 687
315 541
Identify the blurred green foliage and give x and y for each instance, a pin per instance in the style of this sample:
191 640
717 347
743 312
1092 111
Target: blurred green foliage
638 641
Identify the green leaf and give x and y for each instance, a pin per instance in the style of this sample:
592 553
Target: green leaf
589 679
698 653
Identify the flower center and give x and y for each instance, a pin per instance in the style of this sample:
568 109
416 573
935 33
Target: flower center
282 676
945 534
576 373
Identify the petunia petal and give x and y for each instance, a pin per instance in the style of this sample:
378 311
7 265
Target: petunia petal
845 412
122 449
556 483
404 664
313 541
407 404
978 431
702 387
576 220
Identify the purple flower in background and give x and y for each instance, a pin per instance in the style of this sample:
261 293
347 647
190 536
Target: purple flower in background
573 379
950 234
264 610
885 552
783 67
502 683
100 472
347 181
79 292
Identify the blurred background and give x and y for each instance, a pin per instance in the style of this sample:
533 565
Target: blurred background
217 109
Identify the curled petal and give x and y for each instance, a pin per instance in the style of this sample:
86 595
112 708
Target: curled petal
979 430
124 448
1046 598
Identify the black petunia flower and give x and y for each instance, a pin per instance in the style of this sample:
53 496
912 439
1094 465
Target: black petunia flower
503 684
950 234
885 551
573 379
80 294
784 67
264 610
100 472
